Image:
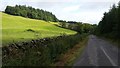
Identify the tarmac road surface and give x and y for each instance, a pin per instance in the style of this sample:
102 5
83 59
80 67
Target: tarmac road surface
98 52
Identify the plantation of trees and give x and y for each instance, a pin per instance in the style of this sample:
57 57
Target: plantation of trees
30 12
109 26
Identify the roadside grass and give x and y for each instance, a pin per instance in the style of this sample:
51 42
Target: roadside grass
113 41
15 29
71 55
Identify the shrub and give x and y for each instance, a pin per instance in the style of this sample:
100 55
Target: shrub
30 30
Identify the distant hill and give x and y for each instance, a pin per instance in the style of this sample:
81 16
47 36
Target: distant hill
17 28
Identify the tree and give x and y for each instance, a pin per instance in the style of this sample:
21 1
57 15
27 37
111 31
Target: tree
110 23
31 13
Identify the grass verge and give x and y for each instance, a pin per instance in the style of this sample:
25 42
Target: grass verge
115 42
71 55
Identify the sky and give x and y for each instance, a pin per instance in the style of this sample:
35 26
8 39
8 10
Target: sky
87 11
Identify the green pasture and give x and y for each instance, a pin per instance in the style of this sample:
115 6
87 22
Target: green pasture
17 29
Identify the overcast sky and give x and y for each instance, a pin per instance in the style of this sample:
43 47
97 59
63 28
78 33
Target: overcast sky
87 11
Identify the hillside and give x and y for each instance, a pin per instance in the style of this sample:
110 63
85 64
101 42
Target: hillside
16 29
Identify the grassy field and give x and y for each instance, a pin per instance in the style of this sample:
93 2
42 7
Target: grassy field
17 29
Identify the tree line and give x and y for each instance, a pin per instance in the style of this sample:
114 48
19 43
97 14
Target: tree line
109 26
67 21
30 12
78 26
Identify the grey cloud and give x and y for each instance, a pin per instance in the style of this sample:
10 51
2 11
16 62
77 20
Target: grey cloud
94 9
91 6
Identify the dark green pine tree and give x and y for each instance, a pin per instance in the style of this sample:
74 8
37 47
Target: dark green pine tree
110 23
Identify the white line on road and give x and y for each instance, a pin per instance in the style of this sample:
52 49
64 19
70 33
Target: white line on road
108 57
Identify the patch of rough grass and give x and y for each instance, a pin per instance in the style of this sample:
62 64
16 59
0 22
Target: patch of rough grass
71 55
30 30
111 40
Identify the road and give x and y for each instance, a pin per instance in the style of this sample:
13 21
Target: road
98 52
